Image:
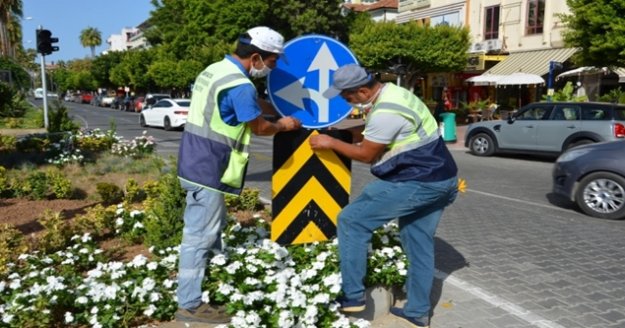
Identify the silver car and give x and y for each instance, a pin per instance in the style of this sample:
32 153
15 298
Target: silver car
548 128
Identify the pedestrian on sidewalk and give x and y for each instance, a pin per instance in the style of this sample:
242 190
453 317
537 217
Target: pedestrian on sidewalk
417 180
212 160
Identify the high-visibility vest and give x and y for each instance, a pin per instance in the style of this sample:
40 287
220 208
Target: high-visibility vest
423 156
213 154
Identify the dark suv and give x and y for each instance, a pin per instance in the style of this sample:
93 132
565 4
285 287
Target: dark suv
548 128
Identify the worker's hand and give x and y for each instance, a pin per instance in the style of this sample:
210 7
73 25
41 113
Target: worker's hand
321 141
289 123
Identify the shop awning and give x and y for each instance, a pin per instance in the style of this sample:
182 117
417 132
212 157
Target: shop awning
620 71
533 62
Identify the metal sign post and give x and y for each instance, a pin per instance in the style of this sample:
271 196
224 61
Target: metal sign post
45 91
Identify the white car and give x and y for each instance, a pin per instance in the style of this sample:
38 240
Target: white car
166 113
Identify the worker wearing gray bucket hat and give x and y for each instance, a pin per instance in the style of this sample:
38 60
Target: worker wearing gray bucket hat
417 180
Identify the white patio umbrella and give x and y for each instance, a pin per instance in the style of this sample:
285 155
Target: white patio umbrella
583 71
520 79
484 79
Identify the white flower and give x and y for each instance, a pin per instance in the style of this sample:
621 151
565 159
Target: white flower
2 286
137 225
86 238
15 284
139 261
205 297
69 318
168 283
322 298
119 222
154 297
225 289
150 310
233 267
7 317
219 259
149 284
135 213
82 300
285 319
94 310
253 319
152 266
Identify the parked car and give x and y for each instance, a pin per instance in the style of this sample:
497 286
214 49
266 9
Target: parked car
548 128
86 98
166 113
593 176
153 98
107 100
138 105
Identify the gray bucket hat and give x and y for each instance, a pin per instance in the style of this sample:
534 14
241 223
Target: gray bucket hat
347 77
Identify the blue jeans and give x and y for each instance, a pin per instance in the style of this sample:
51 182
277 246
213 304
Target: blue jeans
204 219
418 207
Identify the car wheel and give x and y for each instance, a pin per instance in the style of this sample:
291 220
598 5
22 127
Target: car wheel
579 143
602 195
142 121
167 124
482 144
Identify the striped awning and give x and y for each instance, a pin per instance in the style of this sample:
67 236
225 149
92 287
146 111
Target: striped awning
620 71
532 62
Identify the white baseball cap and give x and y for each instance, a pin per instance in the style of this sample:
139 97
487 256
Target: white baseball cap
266 39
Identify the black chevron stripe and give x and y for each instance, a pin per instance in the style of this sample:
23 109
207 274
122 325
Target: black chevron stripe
312 168
285 144
311 213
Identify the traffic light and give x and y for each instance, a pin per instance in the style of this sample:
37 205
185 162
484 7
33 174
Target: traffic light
45 41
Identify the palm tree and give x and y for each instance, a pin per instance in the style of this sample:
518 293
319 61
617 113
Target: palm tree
90 37
10 27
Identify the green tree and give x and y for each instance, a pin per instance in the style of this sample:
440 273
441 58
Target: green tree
10 27
422 49
19 77
101 67
133 70
597 28
295 18
90 37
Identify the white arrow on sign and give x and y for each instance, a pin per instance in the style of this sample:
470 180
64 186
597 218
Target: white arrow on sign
295 93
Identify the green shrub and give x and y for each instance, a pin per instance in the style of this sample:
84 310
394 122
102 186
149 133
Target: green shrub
7 143
132 192
614 96
164 208
98 221
12 244
56 233
249 200
109 193
5 187
60 186
59 120
36 185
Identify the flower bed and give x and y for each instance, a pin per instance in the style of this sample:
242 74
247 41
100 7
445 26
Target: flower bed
262 283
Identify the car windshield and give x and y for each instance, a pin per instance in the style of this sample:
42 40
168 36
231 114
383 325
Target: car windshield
183 103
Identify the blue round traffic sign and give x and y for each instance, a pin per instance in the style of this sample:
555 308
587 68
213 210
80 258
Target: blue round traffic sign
296 85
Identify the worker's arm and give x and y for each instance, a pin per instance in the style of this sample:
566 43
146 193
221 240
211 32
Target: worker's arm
365 151
262 127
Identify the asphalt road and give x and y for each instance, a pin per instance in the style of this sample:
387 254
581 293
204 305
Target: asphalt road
507 235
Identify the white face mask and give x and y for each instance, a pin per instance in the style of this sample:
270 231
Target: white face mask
259 73
368 104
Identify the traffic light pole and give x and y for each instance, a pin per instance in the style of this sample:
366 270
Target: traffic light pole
45 91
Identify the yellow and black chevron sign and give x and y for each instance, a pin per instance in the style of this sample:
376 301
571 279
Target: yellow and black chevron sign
309 188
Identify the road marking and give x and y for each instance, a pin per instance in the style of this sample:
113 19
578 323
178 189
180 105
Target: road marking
551 207
84 120
521 313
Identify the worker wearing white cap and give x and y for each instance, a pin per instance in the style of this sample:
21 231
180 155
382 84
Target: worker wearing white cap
225 111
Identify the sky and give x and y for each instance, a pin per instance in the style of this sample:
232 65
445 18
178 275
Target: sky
67 18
